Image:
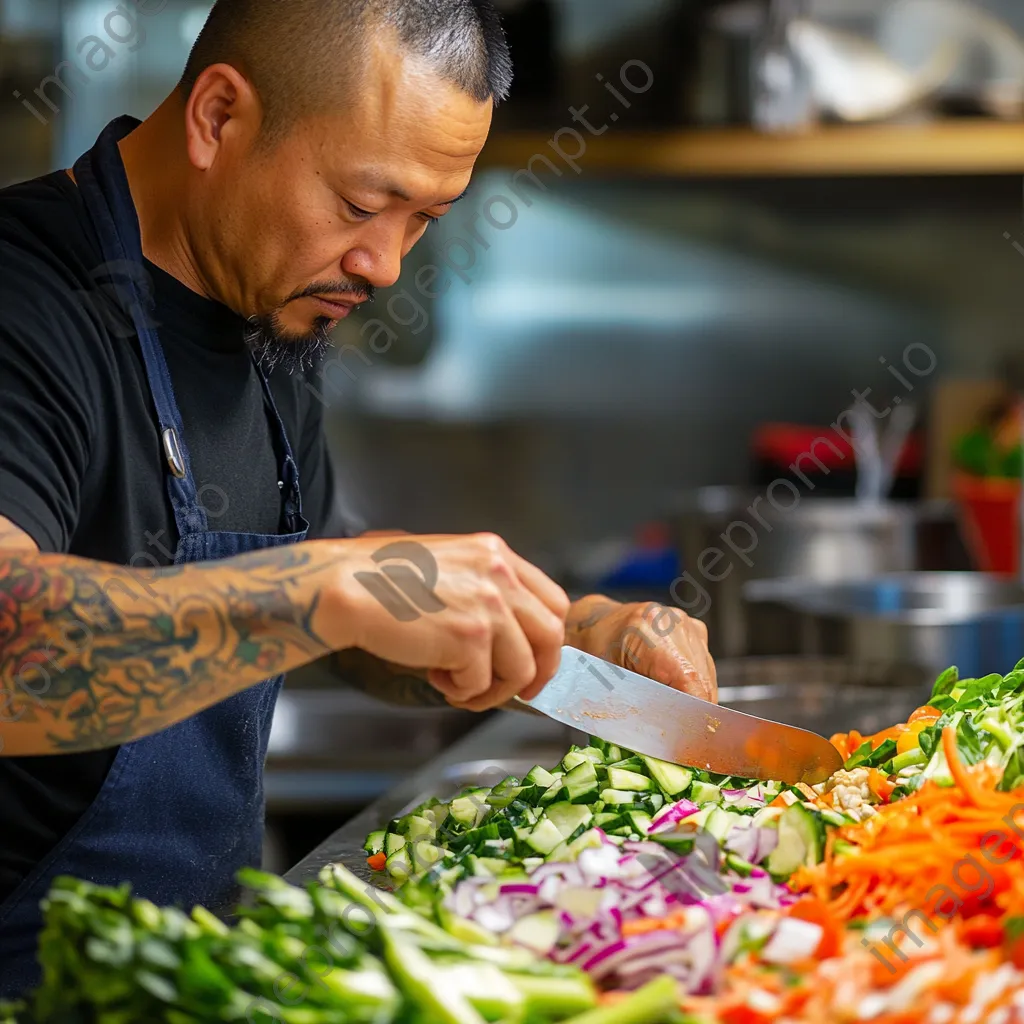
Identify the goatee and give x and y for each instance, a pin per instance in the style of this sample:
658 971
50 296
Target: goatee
273 347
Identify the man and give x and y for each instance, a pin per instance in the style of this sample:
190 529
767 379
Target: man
165 490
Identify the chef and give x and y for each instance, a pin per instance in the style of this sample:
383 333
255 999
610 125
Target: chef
168 541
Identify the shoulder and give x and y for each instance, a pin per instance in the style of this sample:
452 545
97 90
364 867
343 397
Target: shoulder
49 257
57 311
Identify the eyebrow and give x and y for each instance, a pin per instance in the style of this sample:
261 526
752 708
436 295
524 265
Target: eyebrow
398 193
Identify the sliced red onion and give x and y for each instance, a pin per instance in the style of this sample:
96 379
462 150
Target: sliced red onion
519 889
753 797
671 814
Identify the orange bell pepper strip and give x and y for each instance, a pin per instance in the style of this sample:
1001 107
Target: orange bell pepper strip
879 784
377 862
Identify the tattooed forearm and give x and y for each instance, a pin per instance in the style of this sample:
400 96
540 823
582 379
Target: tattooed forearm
390 683
93 655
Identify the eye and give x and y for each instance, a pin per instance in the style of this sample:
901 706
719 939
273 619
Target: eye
357 211
430 218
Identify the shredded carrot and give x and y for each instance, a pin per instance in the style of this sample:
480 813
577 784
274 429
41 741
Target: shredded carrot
907 849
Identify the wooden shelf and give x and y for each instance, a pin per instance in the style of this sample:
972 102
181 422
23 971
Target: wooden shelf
952 147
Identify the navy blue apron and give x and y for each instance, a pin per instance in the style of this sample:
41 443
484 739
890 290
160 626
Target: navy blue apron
180 812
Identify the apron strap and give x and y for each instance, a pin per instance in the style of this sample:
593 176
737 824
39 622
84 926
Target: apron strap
289 467
103 184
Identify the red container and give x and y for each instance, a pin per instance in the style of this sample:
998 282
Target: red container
990 519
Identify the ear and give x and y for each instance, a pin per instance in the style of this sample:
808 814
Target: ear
223 109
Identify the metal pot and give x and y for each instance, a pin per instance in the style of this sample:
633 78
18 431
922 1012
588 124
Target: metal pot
727 536
933 620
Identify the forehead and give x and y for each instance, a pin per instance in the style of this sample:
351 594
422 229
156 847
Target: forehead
402 127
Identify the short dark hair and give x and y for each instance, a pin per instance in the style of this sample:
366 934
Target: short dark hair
295 51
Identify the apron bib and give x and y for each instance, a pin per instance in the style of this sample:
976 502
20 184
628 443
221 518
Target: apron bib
181 811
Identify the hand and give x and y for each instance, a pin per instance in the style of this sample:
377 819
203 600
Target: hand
485 624
652 639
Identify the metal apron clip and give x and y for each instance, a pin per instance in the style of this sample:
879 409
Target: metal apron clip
172 451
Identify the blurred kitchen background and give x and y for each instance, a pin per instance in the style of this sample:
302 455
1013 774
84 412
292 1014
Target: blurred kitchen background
642 323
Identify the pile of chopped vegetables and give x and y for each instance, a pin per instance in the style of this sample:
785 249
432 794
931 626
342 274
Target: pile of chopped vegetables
765 902
334 953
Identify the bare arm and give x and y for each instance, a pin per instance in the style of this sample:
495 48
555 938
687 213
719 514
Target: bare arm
92 655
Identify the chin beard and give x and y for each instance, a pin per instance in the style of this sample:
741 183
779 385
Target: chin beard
274 347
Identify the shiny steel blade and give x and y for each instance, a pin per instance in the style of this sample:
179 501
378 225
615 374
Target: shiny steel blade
630 710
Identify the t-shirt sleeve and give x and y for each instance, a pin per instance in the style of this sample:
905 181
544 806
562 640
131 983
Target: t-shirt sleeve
47 421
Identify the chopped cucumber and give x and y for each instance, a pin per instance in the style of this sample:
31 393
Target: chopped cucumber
615 797
721 822
767 816
570 851
680 840
538 776
705 793
581 783
673 779
398 865
393 842
572 759
622 778
641 822
553 792
468 810
739 865
544 837
416 826
801 841
568 818
374 843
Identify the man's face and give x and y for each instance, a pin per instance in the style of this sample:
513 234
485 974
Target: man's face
296 235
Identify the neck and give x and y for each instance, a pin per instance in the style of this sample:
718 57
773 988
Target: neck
155 162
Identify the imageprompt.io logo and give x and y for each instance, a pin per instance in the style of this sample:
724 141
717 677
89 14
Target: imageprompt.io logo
404 589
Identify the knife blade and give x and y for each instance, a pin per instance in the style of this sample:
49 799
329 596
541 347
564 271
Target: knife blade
633 711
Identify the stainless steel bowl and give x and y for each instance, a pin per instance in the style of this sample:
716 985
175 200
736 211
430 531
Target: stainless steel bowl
818 539
932 620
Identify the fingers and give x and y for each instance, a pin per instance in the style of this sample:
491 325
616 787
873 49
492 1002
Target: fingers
543 587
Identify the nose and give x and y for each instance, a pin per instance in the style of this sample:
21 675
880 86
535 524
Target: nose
376 256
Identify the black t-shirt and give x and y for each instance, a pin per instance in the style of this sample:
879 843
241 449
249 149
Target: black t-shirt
81 466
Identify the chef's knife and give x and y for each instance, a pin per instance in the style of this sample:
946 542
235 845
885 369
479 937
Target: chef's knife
599 698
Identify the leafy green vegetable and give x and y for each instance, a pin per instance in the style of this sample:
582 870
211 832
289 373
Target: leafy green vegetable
1013 774
946 681
865 757
335 953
